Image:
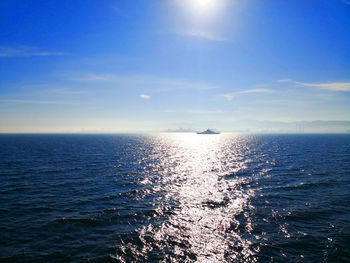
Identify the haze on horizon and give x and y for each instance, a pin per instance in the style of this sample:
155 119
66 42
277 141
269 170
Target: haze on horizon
135 66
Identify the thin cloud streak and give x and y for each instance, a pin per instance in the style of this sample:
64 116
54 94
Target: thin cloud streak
202 34
284 80
65 91
56 89
230 96
334 86
330 86
255 91
166 84
97 78
25 51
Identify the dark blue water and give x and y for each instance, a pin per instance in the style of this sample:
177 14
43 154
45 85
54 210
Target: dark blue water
174 198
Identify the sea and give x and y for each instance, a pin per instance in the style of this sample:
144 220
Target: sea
174 198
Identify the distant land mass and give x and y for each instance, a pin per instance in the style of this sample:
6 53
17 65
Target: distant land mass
239 126
253 126
292 127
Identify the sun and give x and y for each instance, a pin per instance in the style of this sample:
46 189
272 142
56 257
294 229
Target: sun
202 5
203 11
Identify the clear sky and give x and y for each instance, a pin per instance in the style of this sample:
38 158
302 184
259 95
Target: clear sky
151 65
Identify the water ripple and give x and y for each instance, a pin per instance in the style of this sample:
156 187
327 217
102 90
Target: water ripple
174 198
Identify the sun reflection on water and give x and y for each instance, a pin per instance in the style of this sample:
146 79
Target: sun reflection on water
205 207
203 222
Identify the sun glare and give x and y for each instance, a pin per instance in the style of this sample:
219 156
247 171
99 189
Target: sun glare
203 9
203 4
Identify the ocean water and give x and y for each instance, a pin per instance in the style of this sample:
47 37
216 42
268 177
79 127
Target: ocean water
175 198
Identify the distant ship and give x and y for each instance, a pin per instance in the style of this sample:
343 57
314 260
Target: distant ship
208 131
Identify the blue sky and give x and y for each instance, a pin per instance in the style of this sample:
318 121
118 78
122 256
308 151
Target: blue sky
144 65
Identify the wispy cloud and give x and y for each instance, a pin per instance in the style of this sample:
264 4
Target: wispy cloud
157 84
25 51
230 96
333 86
97 78
37 102
284 80
66 91
145 96
255 91
53 89
328 96
202 34
330 86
